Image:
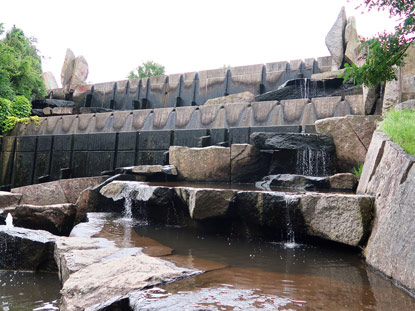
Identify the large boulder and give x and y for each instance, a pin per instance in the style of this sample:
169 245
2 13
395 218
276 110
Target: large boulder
201 164
49 81
116 277
67 70
354 54
245 97
79 74
57 219
389 174
26 249
335 40
351 135
338 217
248 164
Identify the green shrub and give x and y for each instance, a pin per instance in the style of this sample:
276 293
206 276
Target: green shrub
21 107
400 126
5 112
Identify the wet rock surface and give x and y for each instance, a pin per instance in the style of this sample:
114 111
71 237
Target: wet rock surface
57 219
289 181
26 249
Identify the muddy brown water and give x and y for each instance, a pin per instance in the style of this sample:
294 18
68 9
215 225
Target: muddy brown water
240 274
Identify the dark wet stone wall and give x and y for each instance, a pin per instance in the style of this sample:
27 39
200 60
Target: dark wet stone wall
33 159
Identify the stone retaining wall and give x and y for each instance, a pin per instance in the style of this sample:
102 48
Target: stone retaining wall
271 113
193 88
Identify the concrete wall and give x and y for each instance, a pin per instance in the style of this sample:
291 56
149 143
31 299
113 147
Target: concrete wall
272 113
193 88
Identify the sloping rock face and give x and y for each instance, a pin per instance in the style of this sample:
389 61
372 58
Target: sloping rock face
57 219
389 174
351 135
67 70
27 250
201 164
338 217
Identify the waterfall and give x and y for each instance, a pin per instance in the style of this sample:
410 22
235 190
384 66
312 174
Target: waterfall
9 221
290 235
313 162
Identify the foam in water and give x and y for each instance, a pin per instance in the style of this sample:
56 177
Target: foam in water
9 221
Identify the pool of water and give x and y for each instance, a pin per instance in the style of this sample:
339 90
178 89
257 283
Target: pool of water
29 291
266 275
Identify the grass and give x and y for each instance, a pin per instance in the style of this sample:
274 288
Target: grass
357 171
400 126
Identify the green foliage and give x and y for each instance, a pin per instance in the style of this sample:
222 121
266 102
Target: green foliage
21 107
386 50
147 70
357 171
5 112
400 126
20 66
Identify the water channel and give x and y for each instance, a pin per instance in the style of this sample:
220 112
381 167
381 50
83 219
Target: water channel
242 274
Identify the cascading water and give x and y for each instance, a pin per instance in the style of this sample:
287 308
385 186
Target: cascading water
290 235
9 221
313 162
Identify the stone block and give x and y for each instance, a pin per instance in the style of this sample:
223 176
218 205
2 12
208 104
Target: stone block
23 169
44 143
79 163
42 164
218 135
62 110
103 95
7 159
210 84
201 164
25 143
239 135
8 199
150 157
80 142
338 217
157 90
187 93
155 140
127 141
121 96
125 158
60 160
209 203
244 97
276 74
101 142
189 138
175 82
335 40
42 194
62 142
99 161
8 143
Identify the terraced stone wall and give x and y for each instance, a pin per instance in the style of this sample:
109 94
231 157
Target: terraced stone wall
193 88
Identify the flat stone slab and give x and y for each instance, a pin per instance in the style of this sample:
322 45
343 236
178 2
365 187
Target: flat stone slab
8 199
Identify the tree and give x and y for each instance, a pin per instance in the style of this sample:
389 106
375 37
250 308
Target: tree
20 66
146 70
385 51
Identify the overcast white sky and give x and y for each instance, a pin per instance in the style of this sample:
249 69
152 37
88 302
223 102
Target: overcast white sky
183 35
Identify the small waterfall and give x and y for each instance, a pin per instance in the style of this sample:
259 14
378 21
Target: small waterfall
9 221
313 162
290 235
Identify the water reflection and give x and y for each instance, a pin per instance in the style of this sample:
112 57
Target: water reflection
29 291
